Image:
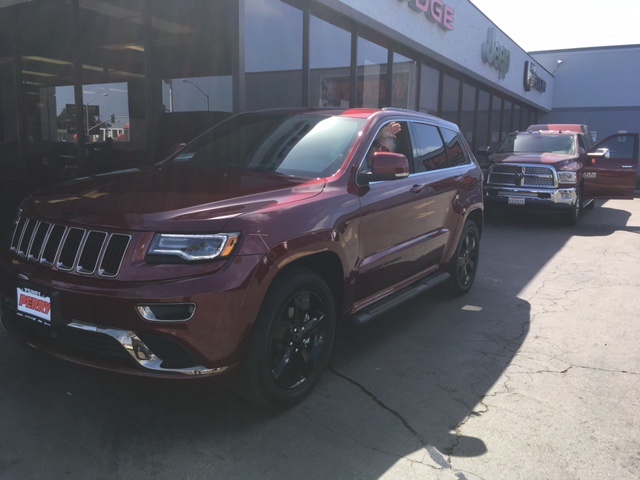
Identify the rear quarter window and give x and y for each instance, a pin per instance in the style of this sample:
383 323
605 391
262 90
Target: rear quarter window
456 150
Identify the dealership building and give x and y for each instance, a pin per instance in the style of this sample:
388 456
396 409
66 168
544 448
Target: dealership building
88 86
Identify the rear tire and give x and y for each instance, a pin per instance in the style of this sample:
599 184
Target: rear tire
464 264
291 341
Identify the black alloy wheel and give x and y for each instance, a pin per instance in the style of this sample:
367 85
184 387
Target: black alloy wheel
292 340
464 264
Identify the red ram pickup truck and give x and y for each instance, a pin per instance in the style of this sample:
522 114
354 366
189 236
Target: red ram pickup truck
242 253
556 168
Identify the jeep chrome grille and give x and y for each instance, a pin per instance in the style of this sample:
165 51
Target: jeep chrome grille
69 249
522 176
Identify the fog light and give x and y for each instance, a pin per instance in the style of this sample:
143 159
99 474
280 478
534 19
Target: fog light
167 312
566 194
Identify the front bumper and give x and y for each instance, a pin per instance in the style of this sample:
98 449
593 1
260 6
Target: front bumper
106 348
98 322
543 199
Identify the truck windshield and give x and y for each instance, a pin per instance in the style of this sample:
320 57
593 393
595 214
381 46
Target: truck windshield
298 144
536 143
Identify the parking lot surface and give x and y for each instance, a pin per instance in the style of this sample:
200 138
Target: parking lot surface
534 374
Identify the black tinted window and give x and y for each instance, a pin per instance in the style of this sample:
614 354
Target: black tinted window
429 149
455 148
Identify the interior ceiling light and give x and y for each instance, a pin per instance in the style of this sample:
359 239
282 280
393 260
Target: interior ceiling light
124 46
38 74
36 58
93 68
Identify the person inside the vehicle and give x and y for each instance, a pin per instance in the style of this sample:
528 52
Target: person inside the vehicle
385 141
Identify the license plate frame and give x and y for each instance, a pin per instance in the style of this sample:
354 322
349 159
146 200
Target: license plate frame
37 305
516 201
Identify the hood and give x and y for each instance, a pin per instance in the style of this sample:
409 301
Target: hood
557 159
170 197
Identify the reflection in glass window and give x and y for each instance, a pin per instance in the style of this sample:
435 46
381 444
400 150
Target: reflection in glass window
197 94
430 153
372 75
330 59
301 145
403 85
273 54
105 113
455 149
429 89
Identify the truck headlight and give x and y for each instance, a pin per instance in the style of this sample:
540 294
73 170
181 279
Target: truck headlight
191 248
570 178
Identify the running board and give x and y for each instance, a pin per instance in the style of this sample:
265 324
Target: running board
392 301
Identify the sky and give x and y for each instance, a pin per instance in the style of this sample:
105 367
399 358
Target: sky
563 24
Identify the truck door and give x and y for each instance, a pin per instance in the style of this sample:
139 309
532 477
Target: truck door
613 174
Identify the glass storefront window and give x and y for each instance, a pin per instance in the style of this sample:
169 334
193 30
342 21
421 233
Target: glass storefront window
507 120
372 75
429 89
273 54
197 94
517 118
105 113
330 59
403 84
482 120
468 112
450 94
497 120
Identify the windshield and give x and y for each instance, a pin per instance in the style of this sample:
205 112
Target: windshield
303 145
536 143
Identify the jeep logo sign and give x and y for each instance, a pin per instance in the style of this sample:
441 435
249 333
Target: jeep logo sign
531 79
496 54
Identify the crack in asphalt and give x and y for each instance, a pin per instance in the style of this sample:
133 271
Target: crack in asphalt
433 452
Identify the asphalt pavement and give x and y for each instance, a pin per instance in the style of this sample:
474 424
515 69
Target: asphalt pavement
535 374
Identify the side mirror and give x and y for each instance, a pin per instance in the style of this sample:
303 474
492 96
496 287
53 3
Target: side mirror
386 166
485 151
600 153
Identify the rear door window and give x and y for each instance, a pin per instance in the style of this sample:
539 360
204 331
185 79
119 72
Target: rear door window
456 151
429 150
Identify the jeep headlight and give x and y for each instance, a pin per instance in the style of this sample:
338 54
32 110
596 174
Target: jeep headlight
191 248
567 178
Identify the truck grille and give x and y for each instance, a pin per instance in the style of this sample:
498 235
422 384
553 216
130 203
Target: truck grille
70 249
522 176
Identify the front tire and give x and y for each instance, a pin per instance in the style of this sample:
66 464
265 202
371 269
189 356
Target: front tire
464 264
291 340
574 213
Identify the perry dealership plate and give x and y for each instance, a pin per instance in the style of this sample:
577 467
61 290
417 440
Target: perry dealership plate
34 305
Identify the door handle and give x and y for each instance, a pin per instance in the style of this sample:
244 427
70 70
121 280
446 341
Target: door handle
418 188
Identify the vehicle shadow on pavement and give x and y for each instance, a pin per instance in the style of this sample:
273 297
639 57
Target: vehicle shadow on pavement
400 387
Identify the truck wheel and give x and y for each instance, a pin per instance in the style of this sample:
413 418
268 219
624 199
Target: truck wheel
574 213
291 340
464 264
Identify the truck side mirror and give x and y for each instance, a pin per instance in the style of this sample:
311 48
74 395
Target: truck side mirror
485 151
600 153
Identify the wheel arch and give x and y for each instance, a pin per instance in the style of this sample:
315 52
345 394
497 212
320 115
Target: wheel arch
329 266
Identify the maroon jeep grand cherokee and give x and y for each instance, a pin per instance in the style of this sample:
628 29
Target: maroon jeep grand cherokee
243 251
